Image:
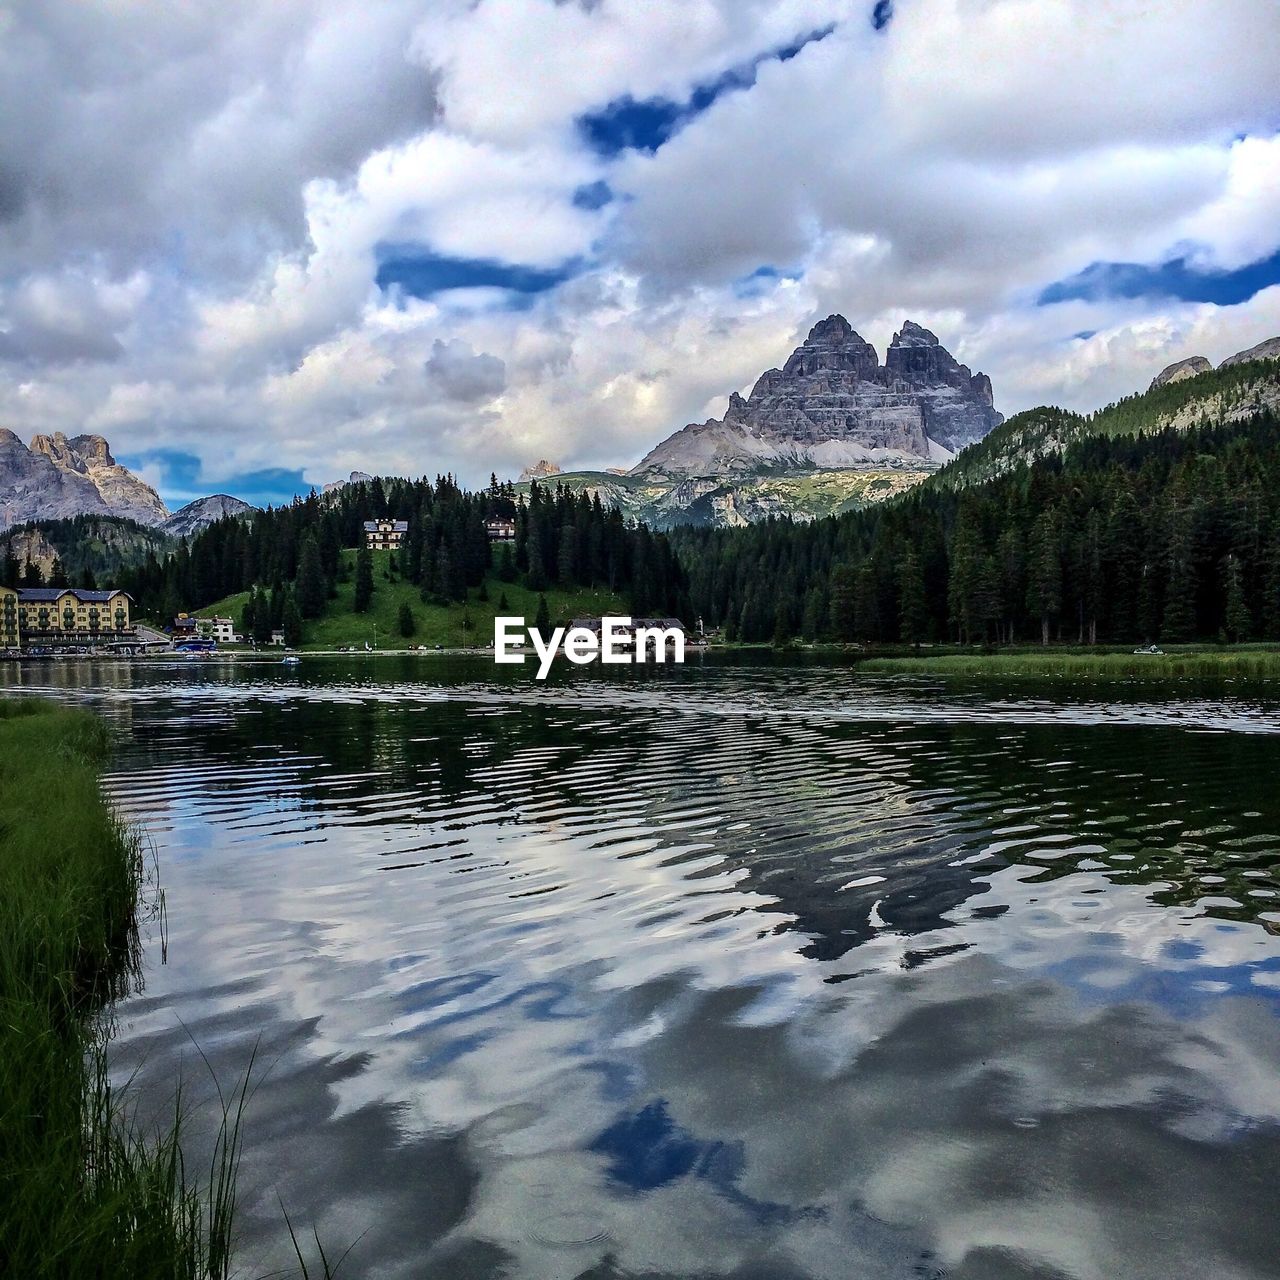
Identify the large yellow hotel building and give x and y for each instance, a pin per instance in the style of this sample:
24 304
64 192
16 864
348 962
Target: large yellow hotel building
58 616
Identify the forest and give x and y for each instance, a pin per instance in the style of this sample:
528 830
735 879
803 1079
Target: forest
1173 536
1161 537
289 557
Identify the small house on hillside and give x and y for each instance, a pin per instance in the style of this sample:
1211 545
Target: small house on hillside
385 535
500 529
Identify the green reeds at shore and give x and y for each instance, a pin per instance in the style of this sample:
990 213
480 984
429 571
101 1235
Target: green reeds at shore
82 1192
1243 663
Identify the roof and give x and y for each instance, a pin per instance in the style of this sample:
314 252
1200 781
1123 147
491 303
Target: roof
43 595
397 526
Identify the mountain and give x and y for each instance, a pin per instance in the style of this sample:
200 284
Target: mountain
356 477
833 406
202 512
706 501
541 470
100 545
1186 394
59 477
1179 370
1268 350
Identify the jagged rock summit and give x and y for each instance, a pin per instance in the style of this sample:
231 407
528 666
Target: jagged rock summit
59 477
541 470
203 512
833 405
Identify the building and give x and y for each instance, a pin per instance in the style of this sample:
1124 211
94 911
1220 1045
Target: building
385 535
500 529
223 630
61 616
658 632
10 635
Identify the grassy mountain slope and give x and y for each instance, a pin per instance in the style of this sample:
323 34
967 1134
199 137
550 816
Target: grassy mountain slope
1229 395
434 623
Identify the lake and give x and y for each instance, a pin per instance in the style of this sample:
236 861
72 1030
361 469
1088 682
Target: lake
737 970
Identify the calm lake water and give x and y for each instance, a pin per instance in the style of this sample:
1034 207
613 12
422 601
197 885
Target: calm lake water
734 971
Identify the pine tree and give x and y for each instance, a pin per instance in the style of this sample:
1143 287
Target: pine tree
405 621
1238 618
313 590
1044 586
291 621
843 602
542 619
364 580
57 574
913 609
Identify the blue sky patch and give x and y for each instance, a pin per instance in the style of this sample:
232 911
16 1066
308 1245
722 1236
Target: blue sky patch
593 195
181 480
272 486
762 280
180 472
1173 279
628 124
422 274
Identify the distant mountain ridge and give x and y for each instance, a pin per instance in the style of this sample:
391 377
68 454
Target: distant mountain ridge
60 477
833 405
1184 394
203 512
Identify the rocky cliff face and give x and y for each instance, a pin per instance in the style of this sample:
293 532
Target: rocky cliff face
833 405
1180 370
203 512
59 477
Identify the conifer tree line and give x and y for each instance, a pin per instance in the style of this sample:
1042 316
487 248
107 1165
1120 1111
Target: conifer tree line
1166 537
289 558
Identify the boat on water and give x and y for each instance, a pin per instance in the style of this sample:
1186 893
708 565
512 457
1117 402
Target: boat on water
290 660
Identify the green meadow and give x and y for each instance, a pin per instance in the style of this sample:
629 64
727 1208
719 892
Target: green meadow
451 626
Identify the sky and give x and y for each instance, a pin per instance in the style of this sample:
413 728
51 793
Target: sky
258 245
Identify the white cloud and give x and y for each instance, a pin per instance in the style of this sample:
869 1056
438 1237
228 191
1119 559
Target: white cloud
192 207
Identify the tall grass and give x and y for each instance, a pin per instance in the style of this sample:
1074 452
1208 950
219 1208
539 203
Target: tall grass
1207 664
84 1191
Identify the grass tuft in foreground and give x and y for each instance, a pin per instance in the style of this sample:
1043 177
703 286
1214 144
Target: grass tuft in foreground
82 1191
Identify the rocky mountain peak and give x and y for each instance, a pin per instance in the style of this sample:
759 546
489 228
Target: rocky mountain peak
914 335
834 328
831 345
833 405
1180 370
203 512
540 470
57 478
94 450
